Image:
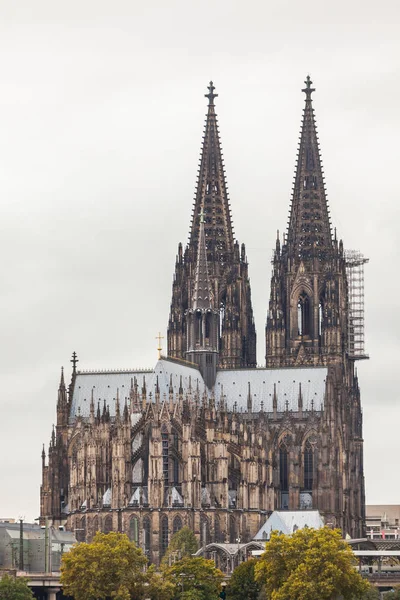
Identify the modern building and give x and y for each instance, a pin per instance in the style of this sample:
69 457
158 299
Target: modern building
382 521
207 439
31 548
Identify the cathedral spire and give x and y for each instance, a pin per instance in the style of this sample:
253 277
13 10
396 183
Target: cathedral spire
62 401
309 232
212 273
211 198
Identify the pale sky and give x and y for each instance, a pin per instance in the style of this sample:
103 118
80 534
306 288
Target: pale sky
101 116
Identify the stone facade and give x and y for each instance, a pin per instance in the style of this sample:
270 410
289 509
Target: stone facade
206 439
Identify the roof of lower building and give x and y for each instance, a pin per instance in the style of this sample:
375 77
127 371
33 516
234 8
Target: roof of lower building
289 521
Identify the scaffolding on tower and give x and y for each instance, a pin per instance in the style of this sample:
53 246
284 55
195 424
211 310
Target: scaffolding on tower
355 262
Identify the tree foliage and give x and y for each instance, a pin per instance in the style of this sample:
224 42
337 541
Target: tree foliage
194 578
111 566
183 543
309 565
393 595
242 584
13 588
158 587
372 593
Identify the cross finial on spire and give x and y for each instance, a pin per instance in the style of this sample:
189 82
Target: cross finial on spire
308 90
211 94
74 361
159 337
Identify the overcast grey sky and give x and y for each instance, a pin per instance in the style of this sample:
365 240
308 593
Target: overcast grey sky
101 116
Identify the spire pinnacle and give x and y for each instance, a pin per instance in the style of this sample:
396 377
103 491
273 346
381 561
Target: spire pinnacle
211 94
202 293
62 383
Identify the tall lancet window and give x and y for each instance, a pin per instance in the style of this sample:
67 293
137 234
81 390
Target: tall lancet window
283 469
199 327
165 454
283 477
164 535
147 536
208 326
308 467
320 317
304 315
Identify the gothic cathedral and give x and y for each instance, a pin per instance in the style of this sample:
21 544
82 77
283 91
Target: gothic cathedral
207 439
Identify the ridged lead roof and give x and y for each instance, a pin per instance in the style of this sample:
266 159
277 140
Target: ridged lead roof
232 384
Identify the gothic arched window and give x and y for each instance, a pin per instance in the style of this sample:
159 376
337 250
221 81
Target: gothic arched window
308 467
283 469
134 530
320 318
164 536
283 477
147 537
165 454
108 524
208 324
199 327
304 315
81 530
232 529
177 525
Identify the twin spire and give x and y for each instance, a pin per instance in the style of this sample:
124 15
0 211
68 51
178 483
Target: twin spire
309 232
211 197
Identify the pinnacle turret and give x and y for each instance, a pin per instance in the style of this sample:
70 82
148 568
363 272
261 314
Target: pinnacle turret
202 296
309 232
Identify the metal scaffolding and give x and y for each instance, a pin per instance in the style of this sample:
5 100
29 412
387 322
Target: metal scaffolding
355 262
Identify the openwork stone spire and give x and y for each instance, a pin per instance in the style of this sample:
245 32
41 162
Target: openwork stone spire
211 197
212 267
309 232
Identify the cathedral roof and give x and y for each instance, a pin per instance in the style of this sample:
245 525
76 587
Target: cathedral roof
233 385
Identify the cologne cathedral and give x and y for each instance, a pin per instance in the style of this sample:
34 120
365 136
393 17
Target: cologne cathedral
208 439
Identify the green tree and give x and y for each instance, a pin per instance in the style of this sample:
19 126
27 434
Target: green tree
158 587
242 584
194 578
372 593
111 566
183 543
12 588
311 564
